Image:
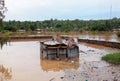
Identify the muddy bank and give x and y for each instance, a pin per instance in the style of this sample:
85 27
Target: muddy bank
92 68
28 38
93 72
104 43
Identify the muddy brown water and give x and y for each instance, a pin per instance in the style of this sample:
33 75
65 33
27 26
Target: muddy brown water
21 61
103 36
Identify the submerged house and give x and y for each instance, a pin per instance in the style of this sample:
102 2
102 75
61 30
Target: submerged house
52 50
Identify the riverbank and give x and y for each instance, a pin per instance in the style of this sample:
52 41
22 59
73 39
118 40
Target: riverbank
92 68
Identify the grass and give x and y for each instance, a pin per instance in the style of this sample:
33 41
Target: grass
112 58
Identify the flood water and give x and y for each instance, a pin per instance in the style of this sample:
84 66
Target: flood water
20 61
103 36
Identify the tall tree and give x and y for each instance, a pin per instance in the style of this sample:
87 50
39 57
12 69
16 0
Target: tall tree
2 11
2 15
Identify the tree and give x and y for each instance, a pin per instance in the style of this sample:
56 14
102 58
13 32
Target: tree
2 11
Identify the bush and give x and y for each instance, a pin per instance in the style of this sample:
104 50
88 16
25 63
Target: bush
118 34
112 58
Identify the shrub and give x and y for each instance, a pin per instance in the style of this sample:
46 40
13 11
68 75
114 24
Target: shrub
118 34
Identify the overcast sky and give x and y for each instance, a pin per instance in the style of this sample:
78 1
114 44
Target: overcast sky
33 10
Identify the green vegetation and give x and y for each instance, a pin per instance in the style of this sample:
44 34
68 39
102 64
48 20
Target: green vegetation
118 34
3 39
55 25
112 58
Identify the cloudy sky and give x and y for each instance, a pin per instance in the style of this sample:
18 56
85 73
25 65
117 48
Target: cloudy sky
34 10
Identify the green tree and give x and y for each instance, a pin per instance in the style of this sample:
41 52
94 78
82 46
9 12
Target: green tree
2 11
3 40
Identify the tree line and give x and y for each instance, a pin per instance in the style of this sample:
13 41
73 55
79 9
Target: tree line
62 25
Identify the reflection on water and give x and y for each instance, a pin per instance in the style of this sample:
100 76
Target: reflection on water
5 73
53 65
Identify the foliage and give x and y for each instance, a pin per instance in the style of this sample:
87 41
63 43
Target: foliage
118 34
63 25
112 58
3 40
2 9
